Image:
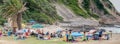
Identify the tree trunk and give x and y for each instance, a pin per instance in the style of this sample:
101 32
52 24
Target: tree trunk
19 19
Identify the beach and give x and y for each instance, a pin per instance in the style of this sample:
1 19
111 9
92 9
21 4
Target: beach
114 40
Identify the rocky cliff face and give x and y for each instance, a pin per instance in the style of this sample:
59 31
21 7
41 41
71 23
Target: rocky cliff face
105 10
100 11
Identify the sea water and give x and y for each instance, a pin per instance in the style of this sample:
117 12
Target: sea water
113 29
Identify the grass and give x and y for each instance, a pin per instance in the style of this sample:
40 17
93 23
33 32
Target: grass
33 40
100 6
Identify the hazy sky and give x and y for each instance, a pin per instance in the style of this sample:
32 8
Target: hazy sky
116 3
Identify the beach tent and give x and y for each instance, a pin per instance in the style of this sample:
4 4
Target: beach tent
76 34
37 26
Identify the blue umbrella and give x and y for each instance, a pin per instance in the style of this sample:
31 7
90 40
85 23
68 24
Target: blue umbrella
37 26
31 21
76 34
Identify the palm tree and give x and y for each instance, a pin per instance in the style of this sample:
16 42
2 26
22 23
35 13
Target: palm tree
13 9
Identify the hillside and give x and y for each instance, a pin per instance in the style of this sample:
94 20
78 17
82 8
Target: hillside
82 12
101 10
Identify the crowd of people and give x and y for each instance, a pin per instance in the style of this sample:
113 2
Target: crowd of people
66 35
90 35
25 33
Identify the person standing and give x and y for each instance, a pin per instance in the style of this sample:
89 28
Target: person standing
70 37
84 36
110 32
100 34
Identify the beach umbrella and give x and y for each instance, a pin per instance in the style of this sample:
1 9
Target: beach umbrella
59 30
92 31
37 26
76 34
23 25
32 21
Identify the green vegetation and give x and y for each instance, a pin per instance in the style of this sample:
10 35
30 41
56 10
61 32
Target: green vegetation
73 5
100 6
2 20
13 9
109 4
86 4
41 11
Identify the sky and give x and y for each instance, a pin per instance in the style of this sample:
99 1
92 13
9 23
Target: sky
116 3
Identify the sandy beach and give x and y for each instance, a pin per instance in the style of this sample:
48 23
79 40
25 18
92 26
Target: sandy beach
114 40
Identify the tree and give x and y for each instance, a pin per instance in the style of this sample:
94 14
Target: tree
13 9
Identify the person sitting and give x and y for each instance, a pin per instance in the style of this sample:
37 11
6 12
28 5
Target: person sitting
89 36
0 33
33 34
51 35
96 36
47 33
19 36
65 36
26 34
40 36
9 33
48 37
106 35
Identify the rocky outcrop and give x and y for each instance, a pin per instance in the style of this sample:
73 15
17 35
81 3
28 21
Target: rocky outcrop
70 19
104 9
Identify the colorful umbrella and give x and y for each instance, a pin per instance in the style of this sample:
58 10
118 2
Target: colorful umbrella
37 26
92 31
76 34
